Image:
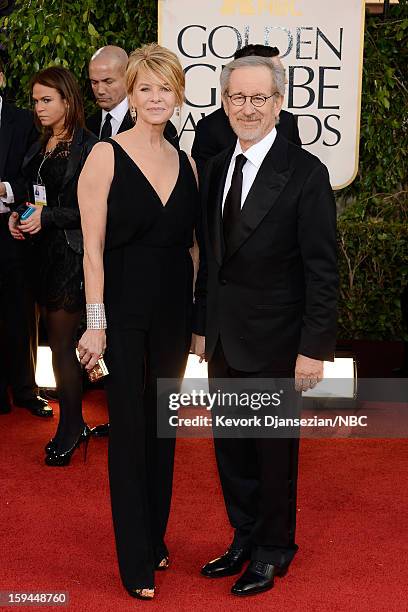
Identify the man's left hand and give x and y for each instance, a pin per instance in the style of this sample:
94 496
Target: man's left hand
308 372
33 224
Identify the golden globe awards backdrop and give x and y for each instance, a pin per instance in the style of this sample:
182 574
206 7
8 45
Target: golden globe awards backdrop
320 43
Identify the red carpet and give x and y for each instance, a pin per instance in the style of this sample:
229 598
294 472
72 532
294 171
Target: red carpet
56 532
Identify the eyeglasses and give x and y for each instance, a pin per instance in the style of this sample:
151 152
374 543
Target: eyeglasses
239 99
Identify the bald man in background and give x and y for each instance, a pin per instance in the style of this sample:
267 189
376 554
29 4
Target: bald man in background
107 75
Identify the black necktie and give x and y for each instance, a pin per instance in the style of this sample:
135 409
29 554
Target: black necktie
232 205
106 131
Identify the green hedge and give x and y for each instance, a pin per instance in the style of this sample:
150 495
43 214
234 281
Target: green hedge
383 163
373 265
373 271
373 230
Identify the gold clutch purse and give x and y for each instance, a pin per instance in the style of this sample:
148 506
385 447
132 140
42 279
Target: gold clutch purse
98 371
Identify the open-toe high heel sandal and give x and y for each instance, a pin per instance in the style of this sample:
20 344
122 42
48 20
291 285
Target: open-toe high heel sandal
145 594
163 565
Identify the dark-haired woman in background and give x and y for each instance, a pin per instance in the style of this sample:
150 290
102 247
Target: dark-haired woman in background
52 168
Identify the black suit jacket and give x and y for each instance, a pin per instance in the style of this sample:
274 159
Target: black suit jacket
272 294
17 134
93 124
213 134
66 215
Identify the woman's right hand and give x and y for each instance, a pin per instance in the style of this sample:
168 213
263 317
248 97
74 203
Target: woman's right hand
14 220
91 347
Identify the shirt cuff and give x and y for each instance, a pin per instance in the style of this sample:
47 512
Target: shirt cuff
9 197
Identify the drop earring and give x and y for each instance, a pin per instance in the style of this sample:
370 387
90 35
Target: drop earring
133 114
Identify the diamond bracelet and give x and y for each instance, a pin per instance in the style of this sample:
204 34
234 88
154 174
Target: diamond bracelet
95 316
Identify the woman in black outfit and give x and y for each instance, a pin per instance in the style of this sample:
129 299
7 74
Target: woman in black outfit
139 207
51 168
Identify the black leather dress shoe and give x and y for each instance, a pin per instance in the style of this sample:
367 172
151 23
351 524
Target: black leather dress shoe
228 564
257 578
100 431
37 405
49 394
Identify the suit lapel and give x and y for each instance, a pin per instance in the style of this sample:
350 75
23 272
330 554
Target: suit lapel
6 133
270 180
126 124
93 123
74 157
215 193
32 152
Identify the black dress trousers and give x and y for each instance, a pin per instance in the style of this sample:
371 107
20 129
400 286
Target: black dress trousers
259 479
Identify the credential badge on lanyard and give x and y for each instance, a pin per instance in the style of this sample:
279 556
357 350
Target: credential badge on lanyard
40 193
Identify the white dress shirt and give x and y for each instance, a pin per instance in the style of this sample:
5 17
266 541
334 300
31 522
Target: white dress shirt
118 114
255 156
9 197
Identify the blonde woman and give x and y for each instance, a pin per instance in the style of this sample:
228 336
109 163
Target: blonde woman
139 206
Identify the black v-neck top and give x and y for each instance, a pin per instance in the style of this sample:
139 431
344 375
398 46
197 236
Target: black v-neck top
136 213
148 265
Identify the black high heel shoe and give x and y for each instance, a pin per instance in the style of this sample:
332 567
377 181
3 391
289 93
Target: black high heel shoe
50 446
56 459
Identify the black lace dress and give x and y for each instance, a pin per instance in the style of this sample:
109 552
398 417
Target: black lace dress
57 269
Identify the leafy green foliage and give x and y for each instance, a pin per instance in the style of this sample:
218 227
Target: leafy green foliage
373 230
41 33
373 263
384 119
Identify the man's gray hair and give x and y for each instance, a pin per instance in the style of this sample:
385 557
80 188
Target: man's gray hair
272 63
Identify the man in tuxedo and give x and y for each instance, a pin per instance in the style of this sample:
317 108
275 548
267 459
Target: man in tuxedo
107 75
268 286
214 132
18 317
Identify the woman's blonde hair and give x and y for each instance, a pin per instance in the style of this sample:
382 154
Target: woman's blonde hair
162 63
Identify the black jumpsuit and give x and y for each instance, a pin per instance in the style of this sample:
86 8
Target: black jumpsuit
148 300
